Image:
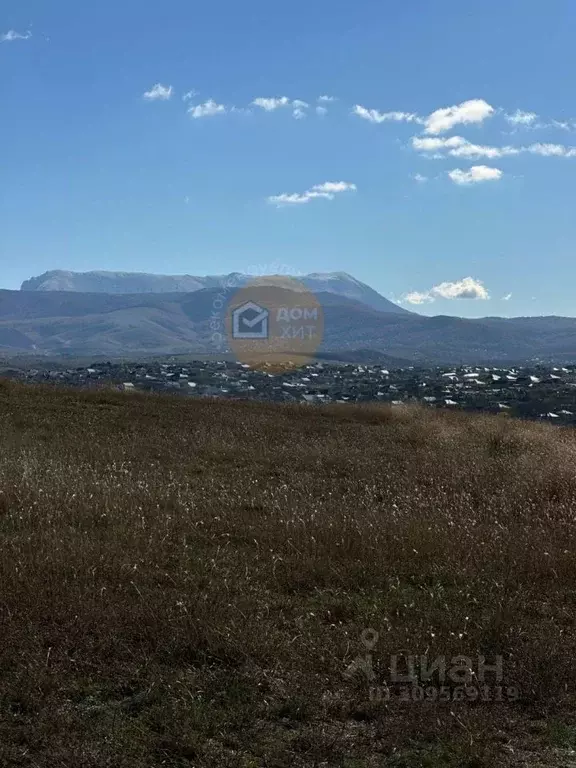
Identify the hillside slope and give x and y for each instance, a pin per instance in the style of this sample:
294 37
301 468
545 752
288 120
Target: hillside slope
52 322
338 283
188 584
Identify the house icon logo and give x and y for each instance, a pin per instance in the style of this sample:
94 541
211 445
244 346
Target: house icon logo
250 321
274 323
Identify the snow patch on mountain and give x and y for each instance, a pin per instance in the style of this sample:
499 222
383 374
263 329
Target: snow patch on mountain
338 283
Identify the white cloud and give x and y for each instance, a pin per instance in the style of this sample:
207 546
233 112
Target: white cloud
189 95
278 102
373 116
416 297
475 175
208 109
478 150
270 104
399 117
433 145
456 146
298 109
565 125
327 190
419 178
531 120
295 198
468 288
322 101
472 111
159 92
551 150
11 36
334 186
520 117
507 297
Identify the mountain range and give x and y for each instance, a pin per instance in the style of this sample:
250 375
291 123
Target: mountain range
339 283
128 314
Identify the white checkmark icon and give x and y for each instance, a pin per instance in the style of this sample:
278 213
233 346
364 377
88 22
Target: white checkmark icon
255 320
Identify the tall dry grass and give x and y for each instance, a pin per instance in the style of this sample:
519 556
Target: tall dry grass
184 583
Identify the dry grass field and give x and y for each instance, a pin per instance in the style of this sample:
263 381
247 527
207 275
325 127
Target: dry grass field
185 583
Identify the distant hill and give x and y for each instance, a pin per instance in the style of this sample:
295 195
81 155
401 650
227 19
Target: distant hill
53 323
339 283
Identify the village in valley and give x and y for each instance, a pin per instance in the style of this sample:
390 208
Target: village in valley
537 391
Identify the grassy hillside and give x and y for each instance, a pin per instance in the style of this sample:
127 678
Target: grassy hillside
55 323
185 583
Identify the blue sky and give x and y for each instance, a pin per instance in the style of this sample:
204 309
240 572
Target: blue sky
222 168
